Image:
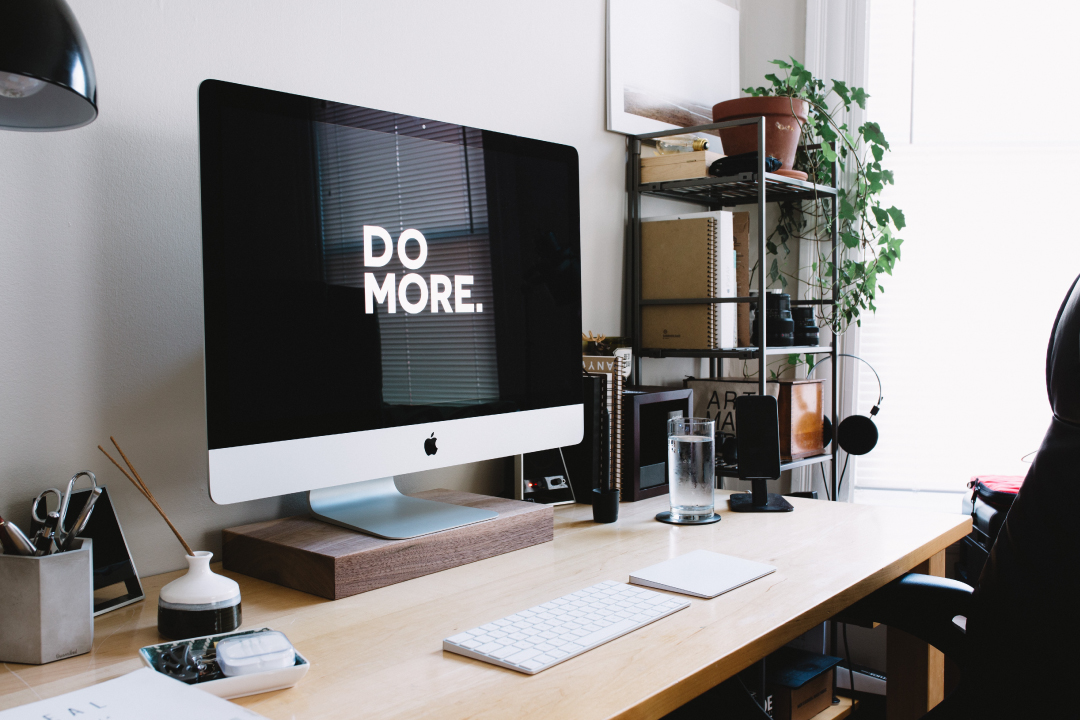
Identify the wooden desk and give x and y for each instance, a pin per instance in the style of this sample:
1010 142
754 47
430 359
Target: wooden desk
379 654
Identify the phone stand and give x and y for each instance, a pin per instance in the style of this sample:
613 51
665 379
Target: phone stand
759 499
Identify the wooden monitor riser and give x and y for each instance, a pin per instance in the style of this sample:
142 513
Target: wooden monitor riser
332 562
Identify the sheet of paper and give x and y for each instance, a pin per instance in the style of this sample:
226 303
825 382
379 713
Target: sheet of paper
139 695
701 573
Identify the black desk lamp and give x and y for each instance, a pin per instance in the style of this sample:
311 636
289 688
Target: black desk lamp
46 75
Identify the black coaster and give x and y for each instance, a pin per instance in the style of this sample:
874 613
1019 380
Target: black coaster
744 502
665 517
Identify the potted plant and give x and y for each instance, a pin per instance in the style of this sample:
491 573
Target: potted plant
869 244
784 118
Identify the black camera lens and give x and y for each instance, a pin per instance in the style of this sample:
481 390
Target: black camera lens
779 326
806 329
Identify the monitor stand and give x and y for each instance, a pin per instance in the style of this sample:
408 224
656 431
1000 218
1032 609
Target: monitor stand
759 499
378 508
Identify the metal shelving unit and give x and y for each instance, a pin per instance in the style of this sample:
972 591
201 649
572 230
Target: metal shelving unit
758 188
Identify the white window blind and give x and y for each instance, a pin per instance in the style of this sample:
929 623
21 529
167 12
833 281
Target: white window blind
381 177
966 94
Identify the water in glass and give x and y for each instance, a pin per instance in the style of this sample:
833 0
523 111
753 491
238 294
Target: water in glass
691 473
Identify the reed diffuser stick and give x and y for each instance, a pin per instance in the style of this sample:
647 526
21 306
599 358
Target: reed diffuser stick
142 488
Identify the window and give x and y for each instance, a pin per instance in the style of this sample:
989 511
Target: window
972 97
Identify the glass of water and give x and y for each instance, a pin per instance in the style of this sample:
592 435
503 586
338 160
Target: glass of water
691 466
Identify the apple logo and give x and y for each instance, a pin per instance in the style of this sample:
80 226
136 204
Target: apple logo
429 445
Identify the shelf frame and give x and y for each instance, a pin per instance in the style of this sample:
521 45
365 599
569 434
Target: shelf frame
758 188
727 470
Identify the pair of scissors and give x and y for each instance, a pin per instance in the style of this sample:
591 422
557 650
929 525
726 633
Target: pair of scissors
63 500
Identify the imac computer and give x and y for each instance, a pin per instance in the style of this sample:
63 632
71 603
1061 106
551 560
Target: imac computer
383 294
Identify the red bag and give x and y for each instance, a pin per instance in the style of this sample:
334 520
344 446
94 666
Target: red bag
997 491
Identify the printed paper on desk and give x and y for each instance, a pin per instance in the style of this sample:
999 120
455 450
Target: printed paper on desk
701 573
136 696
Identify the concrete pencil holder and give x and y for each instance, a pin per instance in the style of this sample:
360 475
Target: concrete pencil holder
48 605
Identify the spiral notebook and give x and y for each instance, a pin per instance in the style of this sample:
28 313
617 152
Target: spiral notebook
688 256
701 573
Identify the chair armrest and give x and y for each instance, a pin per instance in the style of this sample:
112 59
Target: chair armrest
922 605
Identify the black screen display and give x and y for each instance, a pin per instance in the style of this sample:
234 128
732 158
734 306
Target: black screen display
364 269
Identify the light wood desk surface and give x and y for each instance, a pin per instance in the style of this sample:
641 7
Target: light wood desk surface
379 654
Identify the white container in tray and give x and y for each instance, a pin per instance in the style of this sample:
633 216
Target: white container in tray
240 685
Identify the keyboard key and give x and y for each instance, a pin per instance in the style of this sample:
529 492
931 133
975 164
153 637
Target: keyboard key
531 665
522 656
488 648
611 631
460 638
504 652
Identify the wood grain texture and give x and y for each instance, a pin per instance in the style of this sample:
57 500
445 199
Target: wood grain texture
333 562
916 671
380 655
801 430
677 166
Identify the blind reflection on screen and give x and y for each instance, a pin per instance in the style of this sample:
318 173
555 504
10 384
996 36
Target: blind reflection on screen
397 182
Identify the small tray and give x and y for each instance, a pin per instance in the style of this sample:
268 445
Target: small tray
232 687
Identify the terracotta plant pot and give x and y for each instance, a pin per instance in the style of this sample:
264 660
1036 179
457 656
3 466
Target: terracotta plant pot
781 130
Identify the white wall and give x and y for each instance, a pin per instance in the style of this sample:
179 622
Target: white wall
100 289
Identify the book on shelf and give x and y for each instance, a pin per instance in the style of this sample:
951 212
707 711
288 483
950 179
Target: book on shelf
740 226
688 256
612 368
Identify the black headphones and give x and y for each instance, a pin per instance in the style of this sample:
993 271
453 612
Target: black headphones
857 434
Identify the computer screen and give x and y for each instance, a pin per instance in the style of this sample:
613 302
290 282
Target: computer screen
376 286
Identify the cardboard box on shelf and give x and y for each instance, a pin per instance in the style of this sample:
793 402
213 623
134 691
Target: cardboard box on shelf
677 166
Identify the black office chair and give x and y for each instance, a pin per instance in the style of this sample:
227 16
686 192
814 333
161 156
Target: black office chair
1018 655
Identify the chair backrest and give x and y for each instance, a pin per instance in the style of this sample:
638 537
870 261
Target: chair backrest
1023 625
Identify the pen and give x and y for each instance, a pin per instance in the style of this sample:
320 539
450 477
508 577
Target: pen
13 539
81 521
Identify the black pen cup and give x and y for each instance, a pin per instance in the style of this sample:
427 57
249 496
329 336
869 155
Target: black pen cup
605 505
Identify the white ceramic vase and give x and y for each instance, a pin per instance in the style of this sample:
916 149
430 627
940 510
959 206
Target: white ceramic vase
201 602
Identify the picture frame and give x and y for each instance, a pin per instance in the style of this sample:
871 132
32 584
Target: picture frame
669 62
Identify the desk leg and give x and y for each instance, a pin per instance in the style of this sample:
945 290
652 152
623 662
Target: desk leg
915 670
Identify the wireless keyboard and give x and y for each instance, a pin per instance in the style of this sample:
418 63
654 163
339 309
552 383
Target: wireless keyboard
535 639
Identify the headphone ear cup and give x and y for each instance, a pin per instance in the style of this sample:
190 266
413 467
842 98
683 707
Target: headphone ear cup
857 435
826 432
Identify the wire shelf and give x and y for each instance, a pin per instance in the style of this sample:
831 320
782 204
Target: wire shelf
736 190
732 471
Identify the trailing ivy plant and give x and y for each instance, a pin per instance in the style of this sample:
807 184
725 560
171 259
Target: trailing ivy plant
869 244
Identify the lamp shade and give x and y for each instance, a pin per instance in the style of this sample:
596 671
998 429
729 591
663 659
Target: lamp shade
46 75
